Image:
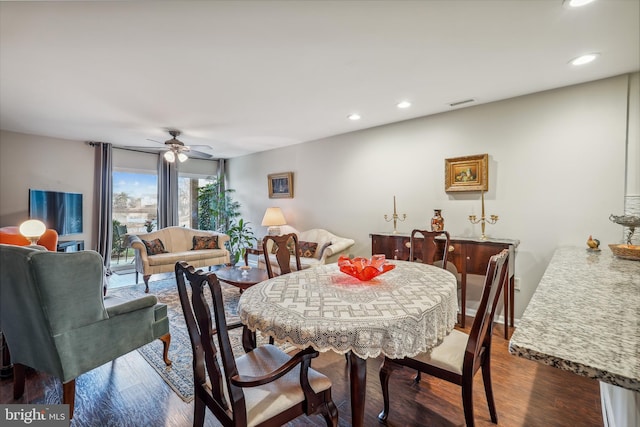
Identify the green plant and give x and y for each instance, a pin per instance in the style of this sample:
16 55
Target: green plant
240 237
216 208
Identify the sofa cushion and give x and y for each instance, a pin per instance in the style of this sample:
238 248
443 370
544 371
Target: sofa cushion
205 242
154 247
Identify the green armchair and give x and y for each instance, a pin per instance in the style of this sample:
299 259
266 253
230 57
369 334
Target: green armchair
55 319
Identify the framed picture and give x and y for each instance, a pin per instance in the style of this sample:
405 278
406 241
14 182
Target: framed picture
470 173
281 185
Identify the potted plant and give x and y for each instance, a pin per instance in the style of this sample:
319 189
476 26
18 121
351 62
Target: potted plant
240 237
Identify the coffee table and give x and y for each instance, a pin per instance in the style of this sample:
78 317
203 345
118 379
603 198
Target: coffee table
234 276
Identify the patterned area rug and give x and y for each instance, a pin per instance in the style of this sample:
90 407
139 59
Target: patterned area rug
179 375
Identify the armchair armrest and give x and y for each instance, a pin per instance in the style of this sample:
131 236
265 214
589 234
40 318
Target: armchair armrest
121 306
300 357
337 247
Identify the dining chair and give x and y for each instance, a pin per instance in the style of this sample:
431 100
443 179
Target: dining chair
460 355
265 386
283 247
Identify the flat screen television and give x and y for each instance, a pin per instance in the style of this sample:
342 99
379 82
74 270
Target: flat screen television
58 210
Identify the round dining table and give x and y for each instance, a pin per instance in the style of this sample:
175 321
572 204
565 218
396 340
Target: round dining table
403 312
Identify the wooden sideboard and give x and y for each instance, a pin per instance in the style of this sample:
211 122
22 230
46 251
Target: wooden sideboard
470 255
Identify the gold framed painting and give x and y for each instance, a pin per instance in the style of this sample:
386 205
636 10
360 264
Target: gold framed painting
281 185
469 173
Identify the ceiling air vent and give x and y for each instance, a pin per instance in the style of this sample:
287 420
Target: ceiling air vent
457 103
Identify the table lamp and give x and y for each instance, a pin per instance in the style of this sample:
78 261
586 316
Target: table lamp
273 218
32 229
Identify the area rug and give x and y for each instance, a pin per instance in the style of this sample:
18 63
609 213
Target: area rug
179 375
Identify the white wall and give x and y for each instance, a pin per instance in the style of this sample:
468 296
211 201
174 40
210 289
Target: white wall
30 161
556 172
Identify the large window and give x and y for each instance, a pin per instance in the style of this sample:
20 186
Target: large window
188 199
135 200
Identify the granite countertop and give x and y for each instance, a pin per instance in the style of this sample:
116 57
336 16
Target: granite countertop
584 317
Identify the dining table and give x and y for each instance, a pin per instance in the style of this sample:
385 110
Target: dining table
403 312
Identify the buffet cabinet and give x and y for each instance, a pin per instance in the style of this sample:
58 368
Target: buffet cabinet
470 256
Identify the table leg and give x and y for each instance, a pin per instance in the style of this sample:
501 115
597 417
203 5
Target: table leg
358 383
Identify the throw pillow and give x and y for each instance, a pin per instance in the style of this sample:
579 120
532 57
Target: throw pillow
205 242
307 249
154 247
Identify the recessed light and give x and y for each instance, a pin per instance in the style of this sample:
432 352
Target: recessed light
354 116
403 104
584 59
576 3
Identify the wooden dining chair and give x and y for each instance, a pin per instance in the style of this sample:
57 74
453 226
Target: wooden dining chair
283 247
460 355
424 247
265 386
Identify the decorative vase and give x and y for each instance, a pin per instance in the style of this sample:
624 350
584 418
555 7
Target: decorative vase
437 222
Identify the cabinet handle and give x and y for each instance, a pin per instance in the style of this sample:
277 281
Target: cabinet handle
451 248
408 245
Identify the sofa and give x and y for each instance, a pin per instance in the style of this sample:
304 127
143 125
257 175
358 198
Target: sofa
158 251
318 246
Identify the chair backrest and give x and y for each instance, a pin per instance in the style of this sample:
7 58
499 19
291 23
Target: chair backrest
11 236
285 246
425 249
201 330
482 328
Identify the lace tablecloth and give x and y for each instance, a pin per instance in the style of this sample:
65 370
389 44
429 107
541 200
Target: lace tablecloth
401 313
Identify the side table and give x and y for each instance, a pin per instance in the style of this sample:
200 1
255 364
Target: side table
251 251
234 276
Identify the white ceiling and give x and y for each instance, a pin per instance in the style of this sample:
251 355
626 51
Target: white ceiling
248 76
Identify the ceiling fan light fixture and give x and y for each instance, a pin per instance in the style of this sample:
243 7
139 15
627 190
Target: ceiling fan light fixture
182 157
170 156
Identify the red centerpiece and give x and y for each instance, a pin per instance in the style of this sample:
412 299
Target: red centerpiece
364 269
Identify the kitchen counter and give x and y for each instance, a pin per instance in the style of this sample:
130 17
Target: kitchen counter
584 317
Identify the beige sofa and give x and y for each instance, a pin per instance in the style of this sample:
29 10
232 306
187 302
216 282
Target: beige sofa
178 244
329 248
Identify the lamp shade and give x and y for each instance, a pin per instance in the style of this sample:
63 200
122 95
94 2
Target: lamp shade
273 217
32 229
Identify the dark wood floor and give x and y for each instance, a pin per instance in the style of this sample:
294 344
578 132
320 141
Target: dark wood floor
128 392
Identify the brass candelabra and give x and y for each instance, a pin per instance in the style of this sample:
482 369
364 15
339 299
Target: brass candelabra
483 220
395 217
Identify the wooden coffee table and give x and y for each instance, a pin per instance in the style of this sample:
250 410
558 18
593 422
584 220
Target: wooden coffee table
234 276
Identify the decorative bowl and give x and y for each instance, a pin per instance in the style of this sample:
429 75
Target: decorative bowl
364 269
631 252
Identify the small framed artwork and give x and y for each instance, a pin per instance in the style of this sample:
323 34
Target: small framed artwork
281 185
470 173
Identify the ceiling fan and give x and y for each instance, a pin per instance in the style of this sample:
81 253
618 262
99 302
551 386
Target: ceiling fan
176 150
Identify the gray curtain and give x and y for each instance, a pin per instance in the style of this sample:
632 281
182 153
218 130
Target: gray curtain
167 193
103 201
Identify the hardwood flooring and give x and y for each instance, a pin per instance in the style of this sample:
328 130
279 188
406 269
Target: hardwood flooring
128 392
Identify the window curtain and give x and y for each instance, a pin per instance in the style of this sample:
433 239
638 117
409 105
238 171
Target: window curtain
167 193
103 201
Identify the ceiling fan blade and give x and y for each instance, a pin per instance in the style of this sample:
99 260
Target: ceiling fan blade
198 154
146 148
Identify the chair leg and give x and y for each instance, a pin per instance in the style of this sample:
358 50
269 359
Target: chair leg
386 369
488 389
418 377
69 395
136 277
18 380
146 282
330 413
166 341
467 400
198 412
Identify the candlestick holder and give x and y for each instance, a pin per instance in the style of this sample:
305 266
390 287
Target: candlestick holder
395 217
483 220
